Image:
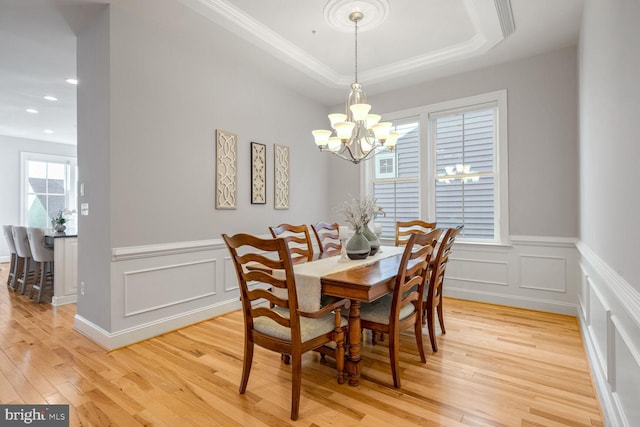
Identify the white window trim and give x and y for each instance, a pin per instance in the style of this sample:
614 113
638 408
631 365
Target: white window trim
43 157
427 149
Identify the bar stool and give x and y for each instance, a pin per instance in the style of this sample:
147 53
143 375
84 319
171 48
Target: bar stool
8 235
43 257
24 270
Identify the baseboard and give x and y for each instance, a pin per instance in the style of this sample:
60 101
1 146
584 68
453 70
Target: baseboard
114 340
71 299
512 300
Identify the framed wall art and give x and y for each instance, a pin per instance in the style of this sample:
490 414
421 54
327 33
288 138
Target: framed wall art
226 169
258 173
281 177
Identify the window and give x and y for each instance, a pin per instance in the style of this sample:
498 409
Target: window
396 185
450 166
49 184
465 173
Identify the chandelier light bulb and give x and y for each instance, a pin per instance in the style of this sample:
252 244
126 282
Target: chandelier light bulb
381 130
360 111
337 118
334 144
344 130
321 137
392 140
372 119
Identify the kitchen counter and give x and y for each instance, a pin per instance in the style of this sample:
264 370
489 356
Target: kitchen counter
65 265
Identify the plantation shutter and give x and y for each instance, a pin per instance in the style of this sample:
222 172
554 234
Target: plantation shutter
396 186
465 171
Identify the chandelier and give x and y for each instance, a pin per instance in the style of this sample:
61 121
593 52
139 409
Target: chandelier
358 134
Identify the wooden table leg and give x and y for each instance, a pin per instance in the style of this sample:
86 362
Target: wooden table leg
355 336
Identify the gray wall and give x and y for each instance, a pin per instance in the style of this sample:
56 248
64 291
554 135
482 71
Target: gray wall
542 94
10 149
609 129
150 102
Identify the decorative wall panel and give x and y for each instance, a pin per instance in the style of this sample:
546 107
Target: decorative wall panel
281 175
258 173
155 288
546 273
226 170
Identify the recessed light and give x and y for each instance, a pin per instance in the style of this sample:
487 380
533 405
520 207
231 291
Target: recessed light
32 111
48 131
50 98
72 81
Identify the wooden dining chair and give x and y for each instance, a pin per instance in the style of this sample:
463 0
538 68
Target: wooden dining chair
8 235
298 239
327 235
279 325
403 308
433 300
404 229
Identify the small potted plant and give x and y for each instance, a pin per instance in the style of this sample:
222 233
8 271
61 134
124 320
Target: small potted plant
58 222
358 212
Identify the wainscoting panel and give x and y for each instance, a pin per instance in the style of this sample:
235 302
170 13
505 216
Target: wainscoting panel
160 287
479 271
543 273
610 325
534 272
599 316
584 290
626 388
230 276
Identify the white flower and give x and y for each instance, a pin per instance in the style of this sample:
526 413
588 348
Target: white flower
358 212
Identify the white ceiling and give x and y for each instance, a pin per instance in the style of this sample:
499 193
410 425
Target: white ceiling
415 41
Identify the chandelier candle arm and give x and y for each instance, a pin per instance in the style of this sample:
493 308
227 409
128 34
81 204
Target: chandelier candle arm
358 134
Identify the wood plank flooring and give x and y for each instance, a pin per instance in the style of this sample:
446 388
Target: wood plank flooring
497 366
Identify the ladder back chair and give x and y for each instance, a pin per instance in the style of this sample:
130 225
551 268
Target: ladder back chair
402 309
279 325
433 300
298 240
327 235
43 258
404 229
8 235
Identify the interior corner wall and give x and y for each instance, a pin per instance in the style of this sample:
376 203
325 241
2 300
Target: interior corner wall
609 295
94 174
10 170
609 129
542 93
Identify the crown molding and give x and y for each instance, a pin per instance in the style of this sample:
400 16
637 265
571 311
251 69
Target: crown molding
492 21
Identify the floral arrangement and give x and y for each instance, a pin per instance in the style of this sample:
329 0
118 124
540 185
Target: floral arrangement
60 219
359 211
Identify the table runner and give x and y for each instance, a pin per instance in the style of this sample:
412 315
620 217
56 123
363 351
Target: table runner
308 275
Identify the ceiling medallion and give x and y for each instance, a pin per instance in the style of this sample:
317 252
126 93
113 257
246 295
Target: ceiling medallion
336 14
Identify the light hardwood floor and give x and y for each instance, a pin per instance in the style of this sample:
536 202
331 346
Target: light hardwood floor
497 366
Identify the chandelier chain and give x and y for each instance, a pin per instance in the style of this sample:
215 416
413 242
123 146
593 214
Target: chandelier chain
356 52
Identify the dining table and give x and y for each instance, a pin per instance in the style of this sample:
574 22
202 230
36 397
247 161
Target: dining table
357 280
